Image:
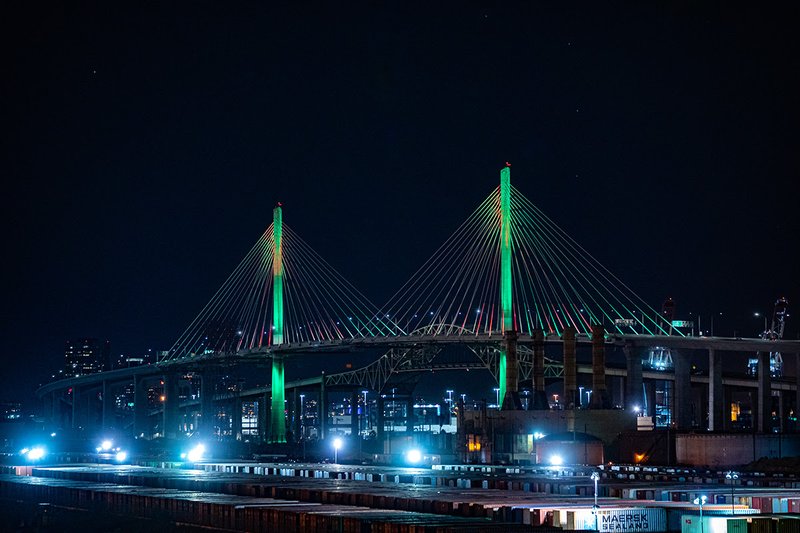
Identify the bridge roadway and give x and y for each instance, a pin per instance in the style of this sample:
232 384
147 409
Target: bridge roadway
345 345
375 375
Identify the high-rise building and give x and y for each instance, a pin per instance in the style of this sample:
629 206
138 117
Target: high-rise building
86 356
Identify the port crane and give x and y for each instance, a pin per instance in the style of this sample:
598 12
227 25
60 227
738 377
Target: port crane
773 331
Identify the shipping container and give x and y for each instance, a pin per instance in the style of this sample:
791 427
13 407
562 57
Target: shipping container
624 519
760 524
787 524
713 524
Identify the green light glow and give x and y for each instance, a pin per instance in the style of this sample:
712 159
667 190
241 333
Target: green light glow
277 278
505 249
502 368
505 271
277 416
277 428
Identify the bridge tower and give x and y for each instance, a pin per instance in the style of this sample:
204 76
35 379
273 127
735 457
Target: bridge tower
508 371
277 427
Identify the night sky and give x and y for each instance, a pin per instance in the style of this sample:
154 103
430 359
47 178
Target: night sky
144 146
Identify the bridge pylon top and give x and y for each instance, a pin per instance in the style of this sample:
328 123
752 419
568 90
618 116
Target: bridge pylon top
281 292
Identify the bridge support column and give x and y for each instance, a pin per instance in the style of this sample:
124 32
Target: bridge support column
236 417
410 414
380 418
171 406
715 395
296 422
570 368
764 401
355 420
61 421
78 409
509 373
49 409
322 409
277 425
208 413
263 417
600 398
633 385
108 406
682 406
141 425
539 400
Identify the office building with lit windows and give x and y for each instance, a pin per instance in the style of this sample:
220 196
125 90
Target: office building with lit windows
86 356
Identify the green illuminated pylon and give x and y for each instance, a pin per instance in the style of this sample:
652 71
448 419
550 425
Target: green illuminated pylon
505 249
277 277
507 368
277 413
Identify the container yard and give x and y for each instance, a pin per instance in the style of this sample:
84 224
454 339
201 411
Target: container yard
323 497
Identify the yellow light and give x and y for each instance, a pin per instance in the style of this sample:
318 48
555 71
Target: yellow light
638 457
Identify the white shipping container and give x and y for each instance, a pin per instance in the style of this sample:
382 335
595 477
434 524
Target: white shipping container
626 519
713 524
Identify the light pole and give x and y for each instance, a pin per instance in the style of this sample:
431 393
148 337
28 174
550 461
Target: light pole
302 412
595 477
497 394
700 501
765 320
580 396
449 404
337 443
366 412
732 477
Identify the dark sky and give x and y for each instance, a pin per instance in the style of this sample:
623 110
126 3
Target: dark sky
145 144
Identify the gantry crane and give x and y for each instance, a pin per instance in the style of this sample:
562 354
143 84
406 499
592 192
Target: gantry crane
772 333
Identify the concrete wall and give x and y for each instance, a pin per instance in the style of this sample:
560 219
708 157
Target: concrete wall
570 453
605 424
733 450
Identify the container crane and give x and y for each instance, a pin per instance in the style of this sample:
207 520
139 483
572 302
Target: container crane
772 333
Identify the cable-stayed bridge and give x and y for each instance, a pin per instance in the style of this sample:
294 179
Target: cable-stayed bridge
506 283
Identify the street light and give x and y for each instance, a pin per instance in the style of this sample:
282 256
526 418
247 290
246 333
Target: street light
337 443
449 403
732 477
302 416
595 477
497 394
701 501
366 413
765 320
